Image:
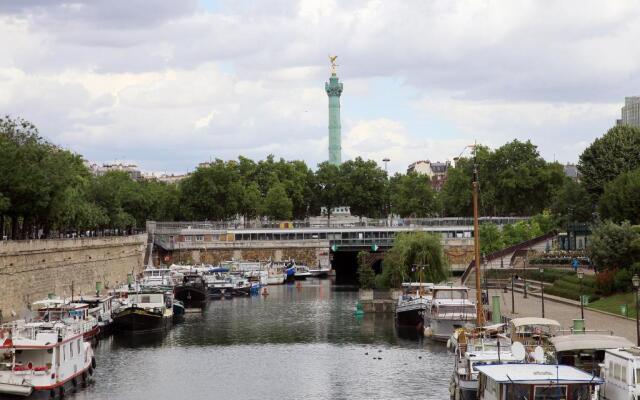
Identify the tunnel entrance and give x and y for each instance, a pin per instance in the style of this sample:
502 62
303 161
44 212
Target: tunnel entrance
345 263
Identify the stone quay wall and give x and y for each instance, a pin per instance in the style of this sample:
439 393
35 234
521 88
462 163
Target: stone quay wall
30 270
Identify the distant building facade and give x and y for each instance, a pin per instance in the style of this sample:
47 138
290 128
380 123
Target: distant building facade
571 171
630 112
171 178
436 171
132 169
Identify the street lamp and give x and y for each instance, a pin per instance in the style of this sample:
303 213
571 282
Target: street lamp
513 300
385 161
636 286
542 287
580 276
524 273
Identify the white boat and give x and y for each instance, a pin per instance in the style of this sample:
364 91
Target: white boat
101 308
621 373
535 381
586 350
415 299
158 277
479 346
276 274
449 309
533 333
45 358
145 311
302 272
56 309
321 272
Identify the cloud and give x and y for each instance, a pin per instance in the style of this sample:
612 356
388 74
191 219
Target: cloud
171 83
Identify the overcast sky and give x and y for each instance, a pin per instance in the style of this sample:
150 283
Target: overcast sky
169 83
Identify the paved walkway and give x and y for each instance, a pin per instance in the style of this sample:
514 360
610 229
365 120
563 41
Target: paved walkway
563 313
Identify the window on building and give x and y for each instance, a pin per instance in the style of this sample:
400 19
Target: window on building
199 238
188 238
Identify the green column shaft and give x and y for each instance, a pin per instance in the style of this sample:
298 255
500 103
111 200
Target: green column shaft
334 90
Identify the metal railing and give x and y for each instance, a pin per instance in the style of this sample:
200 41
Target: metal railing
169 227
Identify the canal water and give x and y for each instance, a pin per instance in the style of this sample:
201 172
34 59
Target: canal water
296 343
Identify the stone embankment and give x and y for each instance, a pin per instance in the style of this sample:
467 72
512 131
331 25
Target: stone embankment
30 270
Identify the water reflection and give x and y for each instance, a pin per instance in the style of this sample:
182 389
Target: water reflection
296 343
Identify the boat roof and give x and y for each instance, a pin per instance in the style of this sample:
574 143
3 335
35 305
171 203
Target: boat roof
589 342
534 321
449 287
536 373
629 353
492 355
418 284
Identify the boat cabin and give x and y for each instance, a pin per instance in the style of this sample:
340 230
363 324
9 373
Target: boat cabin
535 382
448 292
533 332
621 374
412 290
586 351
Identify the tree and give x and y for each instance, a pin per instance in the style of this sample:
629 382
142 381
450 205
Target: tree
614 245
571 203
609 156
366 275
490 238
277 205
251 203
327 179
412 195
409 249
363 184
621 198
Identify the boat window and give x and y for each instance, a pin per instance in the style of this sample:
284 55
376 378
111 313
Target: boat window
616 372
637 375
550 393
580 392
79 346
146 299
623 374
492 386
515 391
70 350
64 352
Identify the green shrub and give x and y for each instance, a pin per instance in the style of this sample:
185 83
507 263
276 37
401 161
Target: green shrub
622 280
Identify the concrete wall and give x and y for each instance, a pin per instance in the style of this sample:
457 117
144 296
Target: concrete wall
305 253
30 270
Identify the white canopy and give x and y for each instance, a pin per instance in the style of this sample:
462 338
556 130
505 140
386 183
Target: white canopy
589 342
534 321
537 373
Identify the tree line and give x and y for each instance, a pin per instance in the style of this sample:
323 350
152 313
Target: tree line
46 190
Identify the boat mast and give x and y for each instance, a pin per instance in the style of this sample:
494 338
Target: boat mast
476 243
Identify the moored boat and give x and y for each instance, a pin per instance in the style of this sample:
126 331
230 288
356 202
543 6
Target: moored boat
192 291
413 303
56 309
449 309
43 359
145 311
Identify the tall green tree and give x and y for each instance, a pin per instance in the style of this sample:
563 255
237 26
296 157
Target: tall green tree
412 196
409 249
571 203
363 185
277 204
490 238
609 156
328 184
621 198
614 245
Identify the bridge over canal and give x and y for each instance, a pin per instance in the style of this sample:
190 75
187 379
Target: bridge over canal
336 244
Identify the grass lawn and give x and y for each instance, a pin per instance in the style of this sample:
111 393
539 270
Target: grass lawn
612 304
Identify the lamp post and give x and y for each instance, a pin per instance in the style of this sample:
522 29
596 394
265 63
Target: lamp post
542 289
580 276
636 287
526 262
513 302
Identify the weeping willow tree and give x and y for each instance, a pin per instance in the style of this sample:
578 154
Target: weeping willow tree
410 252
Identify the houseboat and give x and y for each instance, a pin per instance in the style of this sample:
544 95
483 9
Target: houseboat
412 304
43 359
479 346
56 309
586 351
145 311
192 291
535 382
102 309
449 309
621 373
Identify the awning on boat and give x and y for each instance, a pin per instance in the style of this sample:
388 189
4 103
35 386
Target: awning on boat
534 321
218 269
589 342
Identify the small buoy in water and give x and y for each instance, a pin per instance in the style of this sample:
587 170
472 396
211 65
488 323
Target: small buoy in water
298 285
265 292
420 357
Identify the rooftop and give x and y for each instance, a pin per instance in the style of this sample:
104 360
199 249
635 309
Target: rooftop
535 373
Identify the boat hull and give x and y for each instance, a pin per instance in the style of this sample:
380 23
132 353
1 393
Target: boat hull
441 329
191 296
409 317
140 320
319 273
